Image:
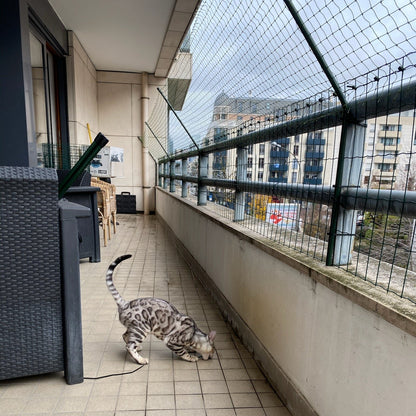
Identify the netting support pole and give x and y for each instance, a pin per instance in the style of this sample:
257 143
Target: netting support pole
165 179
184 174
241 177
160 174
343 221
178 118
172 187
202 174
314 48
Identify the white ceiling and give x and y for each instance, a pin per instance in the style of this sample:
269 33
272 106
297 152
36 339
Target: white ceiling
128 35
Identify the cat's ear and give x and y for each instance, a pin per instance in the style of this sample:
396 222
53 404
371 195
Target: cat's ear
211 336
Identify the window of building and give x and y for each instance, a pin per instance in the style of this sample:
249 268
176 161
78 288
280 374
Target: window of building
260 176
389 141
250 162
391 127
249 175
261 148
261 163
296 150
294 177
385 167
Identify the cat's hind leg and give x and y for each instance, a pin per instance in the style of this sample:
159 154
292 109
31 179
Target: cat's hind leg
126 340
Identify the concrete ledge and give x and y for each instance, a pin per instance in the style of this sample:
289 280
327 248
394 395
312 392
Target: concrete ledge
287 391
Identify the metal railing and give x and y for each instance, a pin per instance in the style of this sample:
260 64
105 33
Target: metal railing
332 175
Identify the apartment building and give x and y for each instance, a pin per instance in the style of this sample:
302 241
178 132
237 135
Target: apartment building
296 159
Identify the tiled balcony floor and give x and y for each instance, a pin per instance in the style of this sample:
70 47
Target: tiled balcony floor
228 385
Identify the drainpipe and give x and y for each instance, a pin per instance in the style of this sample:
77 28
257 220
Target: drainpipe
144 106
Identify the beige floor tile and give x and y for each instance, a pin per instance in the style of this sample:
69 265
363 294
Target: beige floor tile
189 401
245 400
228 353
240 386
163 387
158 413
209 375
133 389
160 402
217 386
231 363
160 375
190 412
250 412
213 364
217 401
187 387
276 411
236 374
220 412
186 375
40 405
106 389
12 406
131 403
98 403
71 404
16 390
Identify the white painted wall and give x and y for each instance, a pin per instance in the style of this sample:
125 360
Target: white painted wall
344 359
110 103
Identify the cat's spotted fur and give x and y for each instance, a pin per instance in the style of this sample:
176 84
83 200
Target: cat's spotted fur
146 316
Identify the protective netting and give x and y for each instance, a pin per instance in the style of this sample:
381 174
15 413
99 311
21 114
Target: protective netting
264 107
255 49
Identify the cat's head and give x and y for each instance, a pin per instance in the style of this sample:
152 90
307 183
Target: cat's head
204 345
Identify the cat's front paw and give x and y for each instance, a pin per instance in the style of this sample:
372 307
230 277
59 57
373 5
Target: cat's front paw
143 361
190 358
137 357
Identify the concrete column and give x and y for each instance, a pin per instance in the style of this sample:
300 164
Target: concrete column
144 108
202 173
165 179
160 174
184 173
241 176
172 187
346 225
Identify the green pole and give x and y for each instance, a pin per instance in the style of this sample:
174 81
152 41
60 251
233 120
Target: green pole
99 142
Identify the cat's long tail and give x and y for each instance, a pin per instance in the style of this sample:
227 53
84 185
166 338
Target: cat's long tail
109 279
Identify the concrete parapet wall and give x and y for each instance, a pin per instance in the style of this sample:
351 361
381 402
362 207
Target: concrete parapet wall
331 345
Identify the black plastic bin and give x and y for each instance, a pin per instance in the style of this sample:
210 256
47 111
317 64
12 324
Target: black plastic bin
88 227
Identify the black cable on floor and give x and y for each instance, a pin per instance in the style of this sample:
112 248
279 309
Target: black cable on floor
113 375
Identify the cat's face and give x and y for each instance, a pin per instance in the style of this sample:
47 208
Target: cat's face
205 346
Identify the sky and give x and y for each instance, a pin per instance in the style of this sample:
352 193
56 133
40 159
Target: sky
253 48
